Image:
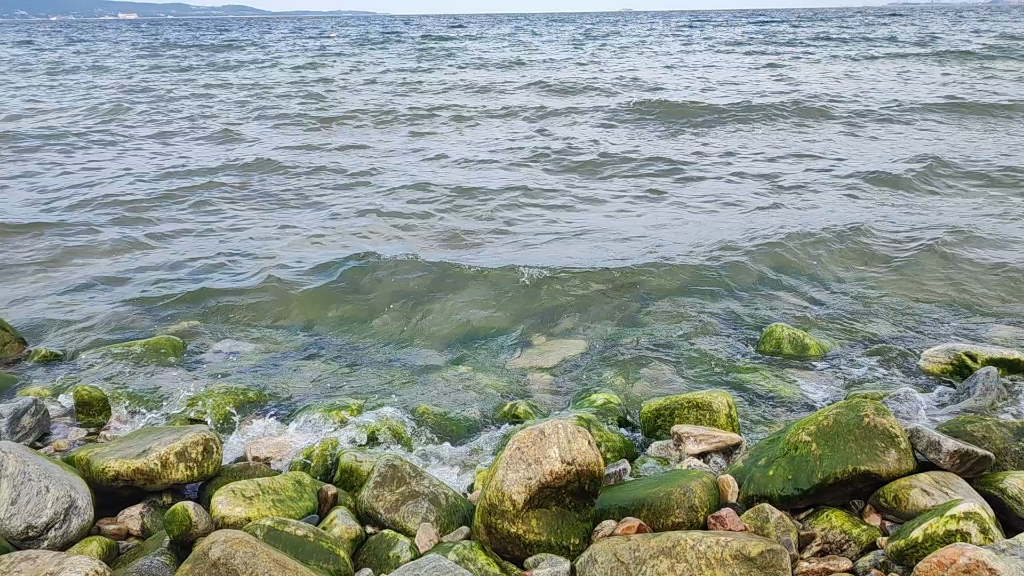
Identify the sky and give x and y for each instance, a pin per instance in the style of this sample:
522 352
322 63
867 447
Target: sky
476 6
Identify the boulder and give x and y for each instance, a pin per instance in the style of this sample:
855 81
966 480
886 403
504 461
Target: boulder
1003 438
291 495
12 344
521 411
235 553
473 557
318 460
541 493
46 563
23 420
221 405
1004 558
342 524
963 459
982 391
145 518
388 432
836 454
152 558
911 496
961 360
840 533
611 442
163 349
907 405
605 405
711 408
769 522
385 551
688 553
877 560
233 473
43 503
548 353
99 547
1005 492
92 407
697 440
676 500
353 468
548 565
307 544
447 426
955 521
151 459
783 340
432 565
823 566
186 522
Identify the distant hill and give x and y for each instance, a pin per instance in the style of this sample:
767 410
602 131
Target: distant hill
27 9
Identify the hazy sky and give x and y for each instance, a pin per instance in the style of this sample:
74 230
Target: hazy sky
470 6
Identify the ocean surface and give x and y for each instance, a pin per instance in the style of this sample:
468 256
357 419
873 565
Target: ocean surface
392 214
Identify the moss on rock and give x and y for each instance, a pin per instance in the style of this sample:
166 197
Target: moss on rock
769 522
12 344
353 468
963 360
342 523
1005 492
388 431
290 495
712 408
1003 438
318 460
233 473
99 547
842 533
385 551
447 426
475 558
41 392
235 553
909 497
955 521
186 522
43 355
222 405
92 407
519 411
337 412
781 339
305 543
613 444
162 349
606 405
153 556
676 500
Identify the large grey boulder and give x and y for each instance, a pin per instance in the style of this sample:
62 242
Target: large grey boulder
963 459
981 392
431 565
46 563
23 420
43 503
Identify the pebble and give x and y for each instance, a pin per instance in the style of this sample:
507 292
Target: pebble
603 530
823 566
327 498
365 572
728 489
76 434
881 542
62 445
459 534
697 440
111 528
617 472
426 537
132 518
726 520
871 516
629 526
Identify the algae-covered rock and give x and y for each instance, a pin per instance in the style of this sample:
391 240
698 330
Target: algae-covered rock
432 565
769 522
1005 492
834 455
521 411
909 497
400 496
46 563
781 339
235 553
613 444
841 533
474 558
686 553
43 355
43 503
955 521
961 360
41 392
92 407
447 426
99 547
877 560
353 468
337 412
23 420
290 495
1003 438
152 459
307 544
222 405
186 522
318 460
233 473
385 551
711 408
152 558
1004 558
388 431
12 344
343 524
162 349
606 405
676 500
541 493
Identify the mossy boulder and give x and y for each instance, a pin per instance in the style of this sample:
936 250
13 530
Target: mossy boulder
337 412
12 344
475 558
233 473
290 495
909 497
613 444
319 460
541 493
712 408
1003 558
221 405
841 533
47 563
305 543
385 551
1005 492
92 406
99 547
447 426
676 500
235 553
962 360
162 349
353 468
400 496
836 454
606 405
1003 438
153 557
43 355
388 431
431 565
519 411
41 392
781 339
342 524
186 522
955 521
769 522
685 553
151 459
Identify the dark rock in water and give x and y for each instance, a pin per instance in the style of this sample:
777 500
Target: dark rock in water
676 500
235 553
963 459
306 544
385 551
12 344
1003 438
163 349
1005 492
605 405
46 563
92 407
23 420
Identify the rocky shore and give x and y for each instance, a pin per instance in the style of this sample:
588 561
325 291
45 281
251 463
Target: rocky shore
673 489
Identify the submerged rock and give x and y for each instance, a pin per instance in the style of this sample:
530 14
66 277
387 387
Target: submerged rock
1005 492
676 500
152 558
840 533
605 405
982 391
548 354
23 420
337 412
711 408
99 547
235 553
46 563
222 405
12 344
1003 438
319 460
963 459
388 432
909 497
92 407
611 442
307 544
43 355
233 473
781 339
163 349
834 455
519 411
961 360
385 551
956 521
341 523
447 426
291 495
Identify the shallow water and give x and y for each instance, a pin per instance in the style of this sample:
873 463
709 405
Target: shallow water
394 213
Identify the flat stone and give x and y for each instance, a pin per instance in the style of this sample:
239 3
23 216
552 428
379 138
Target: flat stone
629 526
982 391
728 489
548 354
825 566
271 449
726 520
958 360
697 440
426 537
46 563
459 534
963 459
24 420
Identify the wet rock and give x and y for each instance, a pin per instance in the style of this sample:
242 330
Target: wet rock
388 432
834 455
312 547
426 538
1004 491
222 405
385 551
43 503
839 533
23 420
365 572
907 405
548 565
982 391
270 450
447 426
319 460
12 344
353 468
1003 438
143 519
911 496
606 405
163 349
432 565
728 489
956 521
233 473
963 459
41 392
336 412
823 566
697 440
292 495
711 408
667 450
616 472
648 465
781 339
474 557
235 553
152 558
962 360
871 517
726 520
876 560
548 354
629 526
46 563
521 411
611 442
43 355
767 521
342 524
186 522
92 407
676 500
1005 558
111 528
457 535
99 547
327 498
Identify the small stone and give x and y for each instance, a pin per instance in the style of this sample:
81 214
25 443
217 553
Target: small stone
426 537
697 440
92 406
270 450
823 566
370 530
629 526
728 489
888 527
133 518
107 436
76 434
726 520
547 565
459 534
668 450
327 498
365 572
617 472
603 530
695 464
474 497
963 459
47 451
871 516
548 354
857 506
881 542
61 445
312 519
111 528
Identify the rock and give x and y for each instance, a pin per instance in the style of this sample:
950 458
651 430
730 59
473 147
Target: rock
270 450
92 407
385 551
353 468
541 493
962 360
474 557
521 411
781 339
45 563
126 546
907 405
711 408
447 426
839 533
233 473
143 519
388 432
830 457
12 344
327 498
963 459
548 354
235 553
911 496
548 565
876 560
342 524
616 472
292 495
604 529
432 565
44 504
1003 438
676 500
823 566
186 522
336 412
42 355
767 521
666 450
982 391
871 517
1005 558
649 465
151 459
728 489
151 558
697 440
426 538
99 547
23 420
400 496
687 553
315 548
163 349
77 434
111 528
41 392
459 534
221 405
606 405
1004 491
726 520
611 442
365 572
629 526
955 521
319 460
